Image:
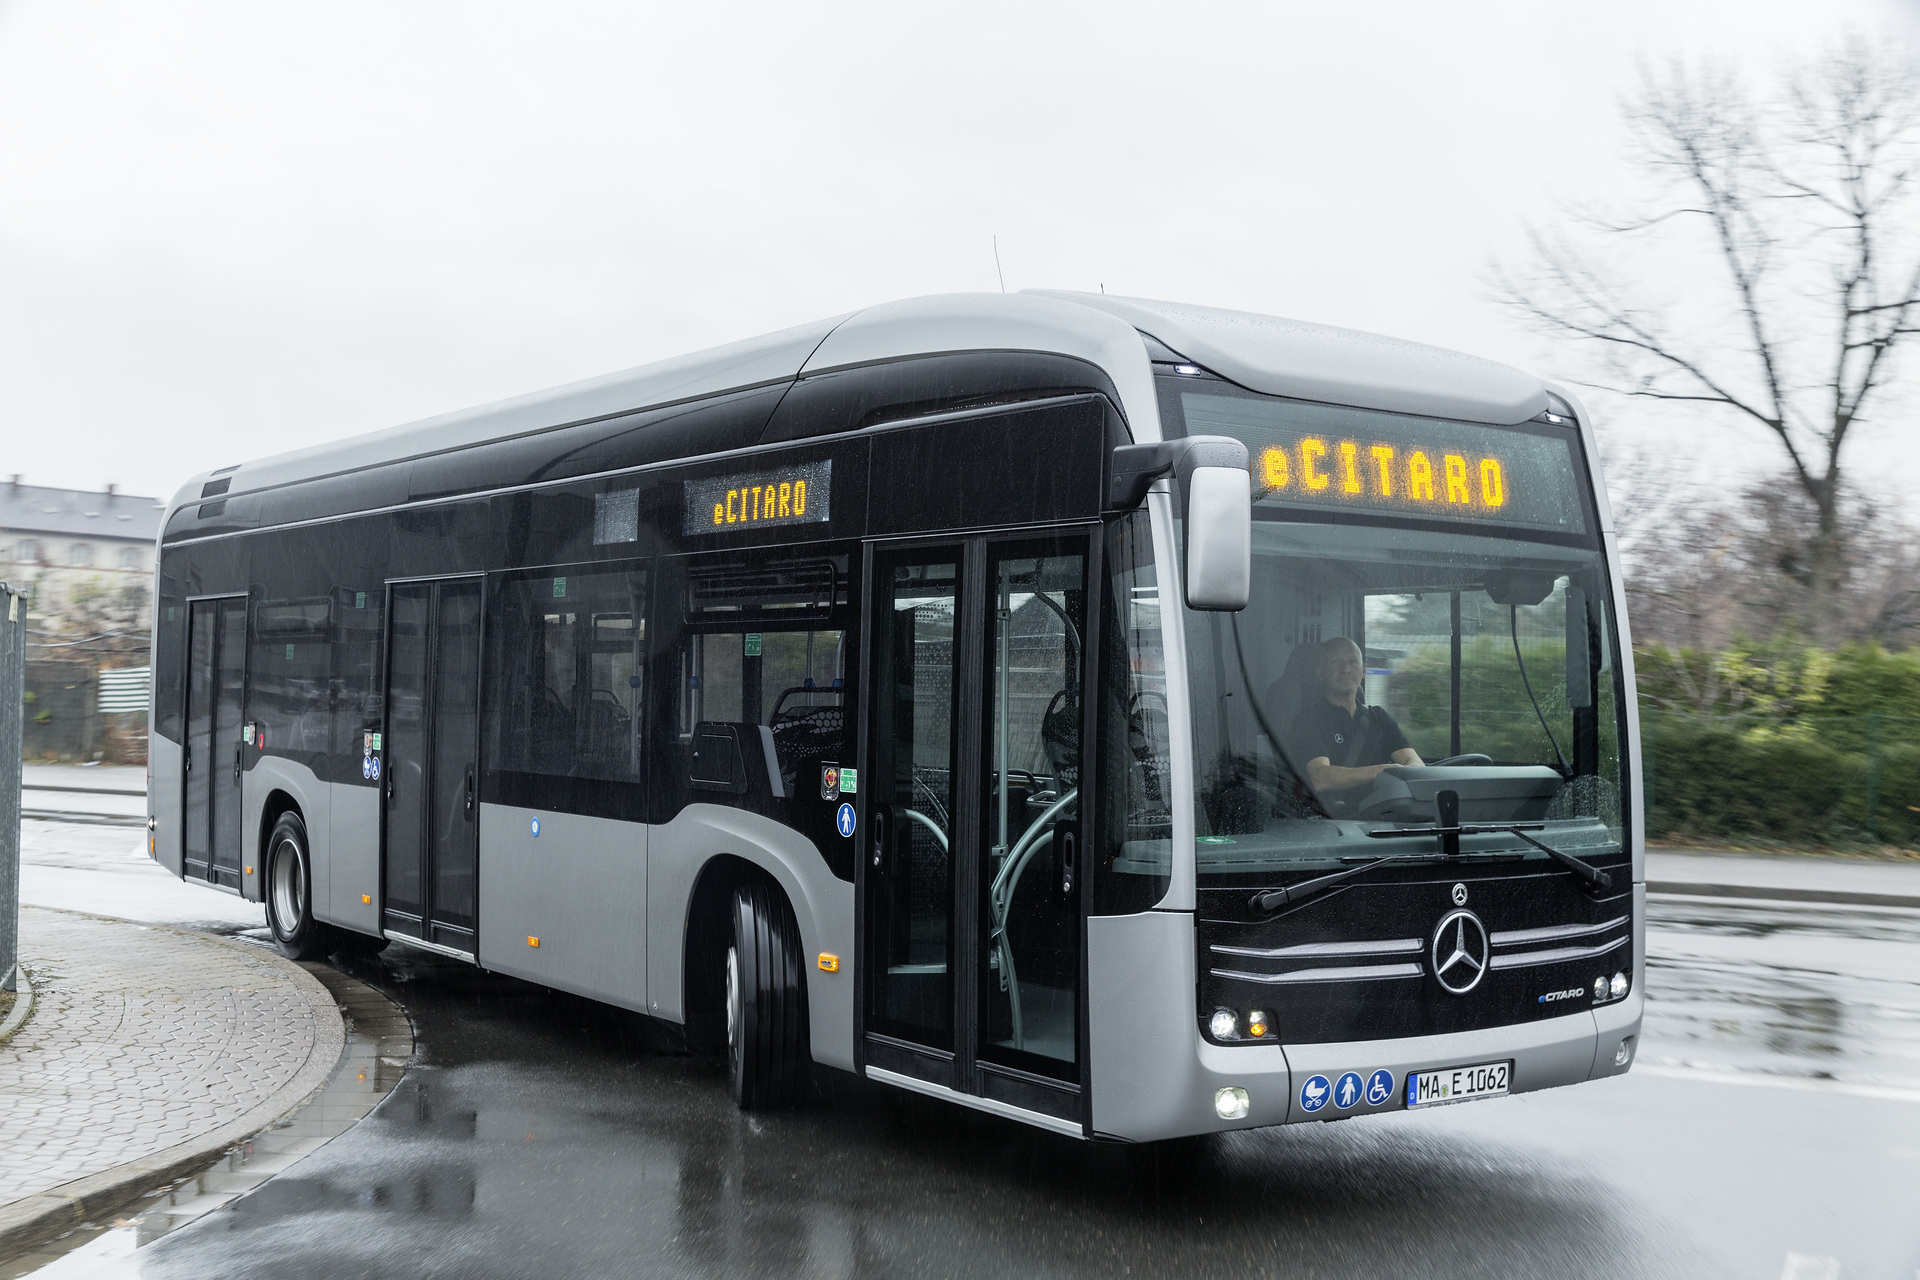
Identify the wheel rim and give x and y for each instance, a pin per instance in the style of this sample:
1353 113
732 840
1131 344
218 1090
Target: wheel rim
733 998
287 888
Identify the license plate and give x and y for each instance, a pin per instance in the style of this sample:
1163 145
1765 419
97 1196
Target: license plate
1457 1084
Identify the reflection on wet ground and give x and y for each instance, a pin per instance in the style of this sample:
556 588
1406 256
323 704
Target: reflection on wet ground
1798 990
544 1135
540 1135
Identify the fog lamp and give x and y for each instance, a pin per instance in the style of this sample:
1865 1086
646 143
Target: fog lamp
1618 987
1225 1022
1231 1102
1256 1023
1600 988
1623 1054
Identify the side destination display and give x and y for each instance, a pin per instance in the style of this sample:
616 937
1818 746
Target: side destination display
801 494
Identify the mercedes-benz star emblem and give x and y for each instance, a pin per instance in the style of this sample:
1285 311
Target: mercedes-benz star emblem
1459 895
1460 952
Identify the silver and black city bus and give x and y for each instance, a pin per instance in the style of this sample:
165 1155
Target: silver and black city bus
919 693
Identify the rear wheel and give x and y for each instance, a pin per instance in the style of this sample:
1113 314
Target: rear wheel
766 1001
290 893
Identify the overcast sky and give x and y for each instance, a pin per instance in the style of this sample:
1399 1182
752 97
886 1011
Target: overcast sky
231 229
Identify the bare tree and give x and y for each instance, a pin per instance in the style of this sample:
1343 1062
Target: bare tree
1804 203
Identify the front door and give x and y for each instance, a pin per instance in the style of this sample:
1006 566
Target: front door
430 762
971 857
216 692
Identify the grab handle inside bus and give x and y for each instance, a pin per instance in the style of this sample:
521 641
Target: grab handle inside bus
1216 510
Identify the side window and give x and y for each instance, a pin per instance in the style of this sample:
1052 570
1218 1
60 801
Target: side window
292 663
758 662
570 671
1135 866
783 691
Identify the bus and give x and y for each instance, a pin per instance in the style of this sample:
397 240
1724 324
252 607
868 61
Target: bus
1128 718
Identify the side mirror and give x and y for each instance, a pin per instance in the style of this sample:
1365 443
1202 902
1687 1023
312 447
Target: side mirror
1216 511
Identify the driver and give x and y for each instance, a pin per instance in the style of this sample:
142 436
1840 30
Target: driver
1345 742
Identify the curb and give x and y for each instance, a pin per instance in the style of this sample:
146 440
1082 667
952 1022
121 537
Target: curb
40 1217
1774 893
22 1005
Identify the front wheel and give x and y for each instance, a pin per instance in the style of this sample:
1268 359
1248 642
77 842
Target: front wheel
290 893
766 996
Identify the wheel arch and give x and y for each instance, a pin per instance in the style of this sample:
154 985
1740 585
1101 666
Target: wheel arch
279 801
708 927
696 860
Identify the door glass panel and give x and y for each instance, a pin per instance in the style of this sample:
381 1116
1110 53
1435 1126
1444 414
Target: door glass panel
406 755
224 776
455 803
198 827
1030 919
910 888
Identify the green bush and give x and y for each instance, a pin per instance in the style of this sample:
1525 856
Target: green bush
1813 783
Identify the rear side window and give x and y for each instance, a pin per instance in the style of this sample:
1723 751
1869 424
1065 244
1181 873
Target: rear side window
570 651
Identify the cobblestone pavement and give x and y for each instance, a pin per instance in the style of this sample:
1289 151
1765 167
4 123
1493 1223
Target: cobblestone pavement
141 1038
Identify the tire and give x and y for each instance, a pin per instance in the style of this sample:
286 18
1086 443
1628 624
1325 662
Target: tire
289 893
764 986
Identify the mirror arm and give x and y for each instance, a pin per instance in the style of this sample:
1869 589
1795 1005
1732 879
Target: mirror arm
1134 467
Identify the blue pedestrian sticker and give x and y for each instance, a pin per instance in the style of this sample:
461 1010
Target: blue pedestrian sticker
1346 1090
376 767
1379 1087
1314 1093
366 767
843 820
536 826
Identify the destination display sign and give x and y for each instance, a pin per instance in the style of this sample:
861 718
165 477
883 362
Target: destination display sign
799 494
1394 464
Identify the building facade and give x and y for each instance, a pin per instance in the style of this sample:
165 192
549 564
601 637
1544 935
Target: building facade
84 561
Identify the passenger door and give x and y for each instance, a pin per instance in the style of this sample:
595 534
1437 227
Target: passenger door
973 920
430 763
216 696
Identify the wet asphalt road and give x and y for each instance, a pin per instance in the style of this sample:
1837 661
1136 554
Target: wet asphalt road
1771 1128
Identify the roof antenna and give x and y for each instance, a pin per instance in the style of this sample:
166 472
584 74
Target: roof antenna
996 265
1103 287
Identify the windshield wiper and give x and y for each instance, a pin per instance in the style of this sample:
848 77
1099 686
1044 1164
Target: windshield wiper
1274 899
1596 880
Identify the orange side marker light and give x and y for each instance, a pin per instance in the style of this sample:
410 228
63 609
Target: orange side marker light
367 898
533 942
829 963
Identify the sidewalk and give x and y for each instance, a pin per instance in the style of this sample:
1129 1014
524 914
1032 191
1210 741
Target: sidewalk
1792 877
149 1052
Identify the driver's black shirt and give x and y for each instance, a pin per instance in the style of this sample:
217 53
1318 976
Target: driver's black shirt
1323 729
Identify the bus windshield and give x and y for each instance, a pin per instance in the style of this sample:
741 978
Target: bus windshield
1376 667
1429 615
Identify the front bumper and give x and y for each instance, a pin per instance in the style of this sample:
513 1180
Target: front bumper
1155 1076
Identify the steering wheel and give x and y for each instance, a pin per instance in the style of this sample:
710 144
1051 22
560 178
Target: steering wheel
1472 757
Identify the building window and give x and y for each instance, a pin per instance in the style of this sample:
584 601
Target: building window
81 556
28 552
130 557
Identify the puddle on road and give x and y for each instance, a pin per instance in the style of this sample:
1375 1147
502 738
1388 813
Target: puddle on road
1796 990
